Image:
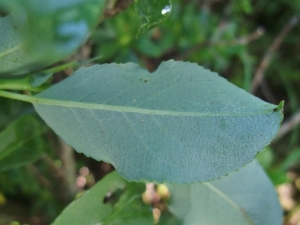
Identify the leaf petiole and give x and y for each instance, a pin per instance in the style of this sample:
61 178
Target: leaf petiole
19 84
16 96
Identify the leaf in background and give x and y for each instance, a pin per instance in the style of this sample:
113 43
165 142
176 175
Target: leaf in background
131 209
167 218
53 29
90 208
246 197
180 124
21 142
153 12
26 154
13 55
40 78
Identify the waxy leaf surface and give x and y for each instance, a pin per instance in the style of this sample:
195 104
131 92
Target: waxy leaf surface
180 124
245 197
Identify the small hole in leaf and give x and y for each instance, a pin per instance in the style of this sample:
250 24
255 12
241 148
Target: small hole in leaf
108 197
113 196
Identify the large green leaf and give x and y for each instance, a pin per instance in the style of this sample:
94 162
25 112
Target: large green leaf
92 209
179 124
49 31
246 197
21 142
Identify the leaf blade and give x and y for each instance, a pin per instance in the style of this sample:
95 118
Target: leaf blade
181 123
230 200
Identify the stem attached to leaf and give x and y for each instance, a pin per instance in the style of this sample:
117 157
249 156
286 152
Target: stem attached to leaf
16 96
19 84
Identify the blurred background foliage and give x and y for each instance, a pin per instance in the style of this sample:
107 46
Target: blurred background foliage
253 43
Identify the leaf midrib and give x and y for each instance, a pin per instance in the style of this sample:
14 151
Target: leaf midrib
54 102
87 105
10 50
229 201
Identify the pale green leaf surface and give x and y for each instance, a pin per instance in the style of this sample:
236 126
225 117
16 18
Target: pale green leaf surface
90 208
21 142
245 197
180 124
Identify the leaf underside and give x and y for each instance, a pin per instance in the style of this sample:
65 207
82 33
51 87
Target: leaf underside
180 124
246 197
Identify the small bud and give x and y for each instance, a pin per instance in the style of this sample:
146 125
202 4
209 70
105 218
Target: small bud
163 191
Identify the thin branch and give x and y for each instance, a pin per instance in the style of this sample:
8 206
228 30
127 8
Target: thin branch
66 155
63 189
288 126
267 92
42 179
239 41
268 56
115 6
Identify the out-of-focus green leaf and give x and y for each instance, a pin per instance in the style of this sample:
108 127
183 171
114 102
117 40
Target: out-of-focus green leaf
167 218
115 35
245 5
245 197
291 160
14 58
278 176
188 28
153 12
10 110
21 142
32 151
131 209
19 180
51 30
265 158
39 79
180 124
90 208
